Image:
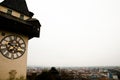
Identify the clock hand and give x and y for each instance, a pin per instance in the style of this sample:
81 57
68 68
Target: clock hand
6 42
19 49
11 48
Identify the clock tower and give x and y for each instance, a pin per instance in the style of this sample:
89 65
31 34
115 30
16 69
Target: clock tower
16 27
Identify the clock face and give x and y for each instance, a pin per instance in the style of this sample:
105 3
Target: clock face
12 46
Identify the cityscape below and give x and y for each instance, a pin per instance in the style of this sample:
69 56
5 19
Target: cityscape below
73 73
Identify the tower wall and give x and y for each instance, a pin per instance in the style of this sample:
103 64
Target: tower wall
17 20
13 68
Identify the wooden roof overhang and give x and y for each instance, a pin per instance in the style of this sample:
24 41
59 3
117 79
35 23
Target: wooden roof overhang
30 28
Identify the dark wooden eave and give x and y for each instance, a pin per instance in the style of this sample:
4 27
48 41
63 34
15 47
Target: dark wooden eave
30 28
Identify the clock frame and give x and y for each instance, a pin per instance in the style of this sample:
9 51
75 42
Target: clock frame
12 46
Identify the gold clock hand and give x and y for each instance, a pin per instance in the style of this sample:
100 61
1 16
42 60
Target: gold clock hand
11 48
20 50
6 42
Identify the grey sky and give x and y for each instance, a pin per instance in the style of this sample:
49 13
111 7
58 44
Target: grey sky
76 33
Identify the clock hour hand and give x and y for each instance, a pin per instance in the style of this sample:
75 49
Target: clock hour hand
11 48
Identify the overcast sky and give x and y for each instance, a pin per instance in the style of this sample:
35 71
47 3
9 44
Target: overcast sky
76 33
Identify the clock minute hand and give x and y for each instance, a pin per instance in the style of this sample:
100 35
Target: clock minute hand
20 50
7 42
